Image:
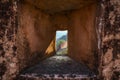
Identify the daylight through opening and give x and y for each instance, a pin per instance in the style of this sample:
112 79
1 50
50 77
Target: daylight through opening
61 42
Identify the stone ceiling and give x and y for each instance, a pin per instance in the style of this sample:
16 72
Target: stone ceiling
52 6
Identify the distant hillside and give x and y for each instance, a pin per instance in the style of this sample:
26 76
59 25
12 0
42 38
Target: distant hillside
64 37
61 45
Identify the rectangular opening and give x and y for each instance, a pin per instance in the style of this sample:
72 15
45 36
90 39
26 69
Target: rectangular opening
61 42
40 35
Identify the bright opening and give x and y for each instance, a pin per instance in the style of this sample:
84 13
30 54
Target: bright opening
61 42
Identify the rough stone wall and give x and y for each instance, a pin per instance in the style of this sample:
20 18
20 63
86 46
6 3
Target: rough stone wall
109 30
25 38
82 39
56 6
18 48
8 30
35 38
61 21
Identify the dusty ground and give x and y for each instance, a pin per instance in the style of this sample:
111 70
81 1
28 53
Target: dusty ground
57 67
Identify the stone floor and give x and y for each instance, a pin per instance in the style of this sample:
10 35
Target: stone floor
58 68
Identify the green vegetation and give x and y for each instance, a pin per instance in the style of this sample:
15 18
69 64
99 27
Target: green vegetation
58 43
62 51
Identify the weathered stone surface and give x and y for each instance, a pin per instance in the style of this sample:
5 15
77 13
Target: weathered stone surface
82 39
29 38
53 6
109 30
8 29
36 37
61 21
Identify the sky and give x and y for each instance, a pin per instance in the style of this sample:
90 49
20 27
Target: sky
60 33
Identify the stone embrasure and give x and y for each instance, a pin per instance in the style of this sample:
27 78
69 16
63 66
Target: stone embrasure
24 37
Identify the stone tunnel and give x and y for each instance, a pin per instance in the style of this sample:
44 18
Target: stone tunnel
28 30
